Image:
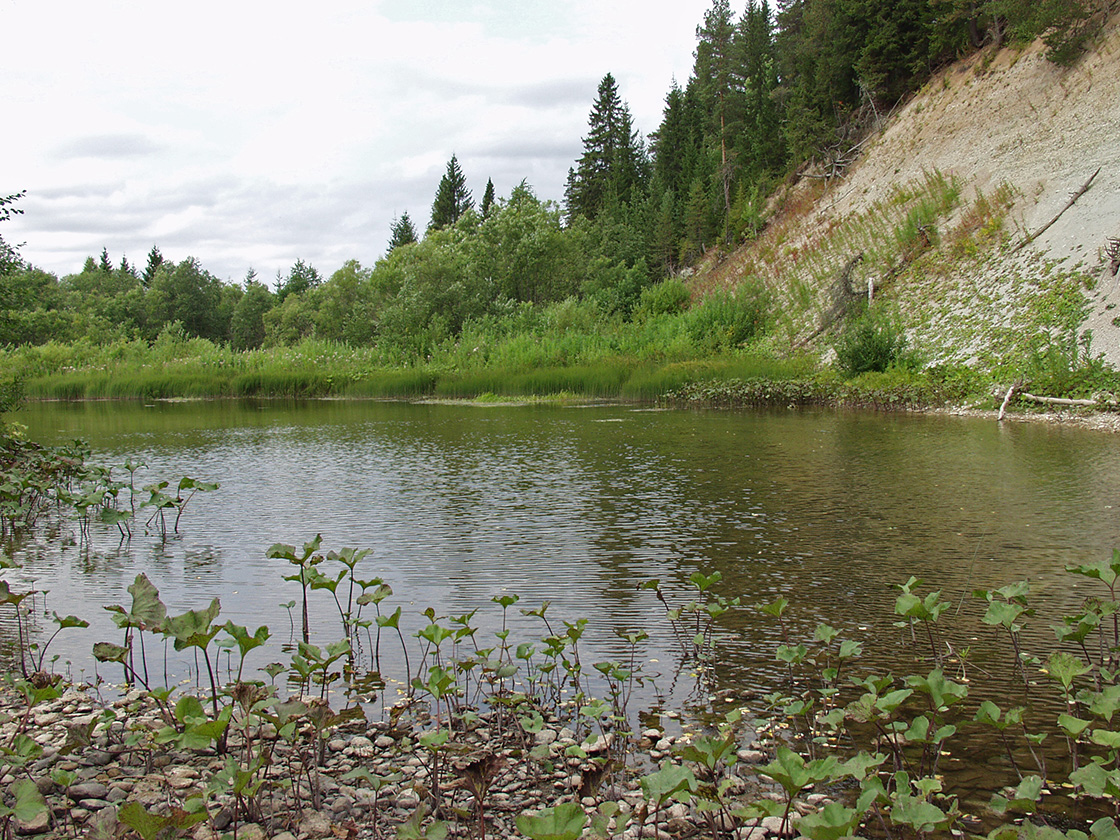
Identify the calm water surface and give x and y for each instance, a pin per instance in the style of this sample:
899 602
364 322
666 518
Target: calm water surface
580 505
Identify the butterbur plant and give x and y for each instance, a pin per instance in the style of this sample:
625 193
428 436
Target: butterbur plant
305 561
162 502
694 622
16 599
921 612
1007 608
147 612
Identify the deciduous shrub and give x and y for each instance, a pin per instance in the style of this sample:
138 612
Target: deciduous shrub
871 343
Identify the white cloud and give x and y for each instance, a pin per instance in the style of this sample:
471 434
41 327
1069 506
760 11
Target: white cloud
253 133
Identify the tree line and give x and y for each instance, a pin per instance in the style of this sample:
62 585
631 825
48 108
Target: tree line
770 89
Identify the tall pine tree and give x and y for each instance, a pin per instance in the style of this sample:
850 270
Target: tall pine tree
761 148
720 89
613 168
453 199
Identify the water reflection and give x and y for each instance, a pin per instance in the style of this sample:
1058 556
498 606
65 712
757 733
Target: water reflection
579 506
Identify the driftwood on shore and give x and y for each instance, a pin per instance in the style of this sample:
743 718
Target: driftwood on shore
1060 400
1087 403
1006 400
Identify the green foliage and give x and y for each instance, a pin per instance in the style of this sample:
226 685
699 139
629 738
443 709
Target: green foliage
523 250
152 825
188 295
247 326
9 256
728 320
669 297
873 341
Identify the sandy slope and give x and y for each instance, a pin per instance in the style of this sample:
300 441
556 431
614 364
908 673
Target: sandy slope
994 121
1017 118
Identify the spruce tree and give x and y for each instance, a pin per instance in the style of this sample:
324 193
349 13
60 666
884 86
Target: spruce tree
302 278
155 260
106 264
613 166
760 144
403 232
720 88
453 199
488 199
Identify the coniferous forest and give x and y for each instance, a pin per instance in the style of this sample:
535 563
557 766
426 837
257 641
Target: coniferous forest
510 280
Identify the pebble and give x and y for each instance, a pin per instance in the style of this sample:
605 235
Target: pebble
773 825
314 824
88 790
36 825
108 775
545 736
360 746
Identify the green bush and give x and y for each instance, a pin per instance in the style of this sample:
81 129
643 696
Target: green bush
725 320
669 297
872 342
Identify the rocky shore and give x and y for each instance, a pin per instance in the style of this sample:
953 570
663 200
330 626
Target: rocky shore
359 780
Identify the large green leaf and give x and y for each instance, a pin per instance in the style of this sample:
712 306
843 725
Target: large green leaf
29 801
562 822
672 781
832 822
194 628
917 813
1105 571
148 611
942 692
109 652
1065 668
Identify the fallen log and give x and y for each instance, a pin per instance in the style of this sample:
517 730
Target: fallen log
1069 204
1062 400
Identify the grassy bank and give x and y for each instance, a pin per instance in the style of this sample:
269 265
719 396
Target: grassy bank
317 370
953 317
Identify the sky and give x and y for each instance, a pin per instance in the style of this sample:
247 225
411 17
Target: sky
251 134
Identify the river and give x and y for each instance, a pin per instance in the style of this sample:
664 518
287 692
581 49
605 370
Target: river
579 505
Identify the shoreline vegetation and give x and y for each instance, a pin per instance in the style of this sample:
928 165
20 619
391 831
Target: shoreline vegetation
894 326
184 369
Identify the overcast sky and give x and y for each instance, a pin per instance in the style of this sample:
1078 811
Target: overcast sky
255 133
